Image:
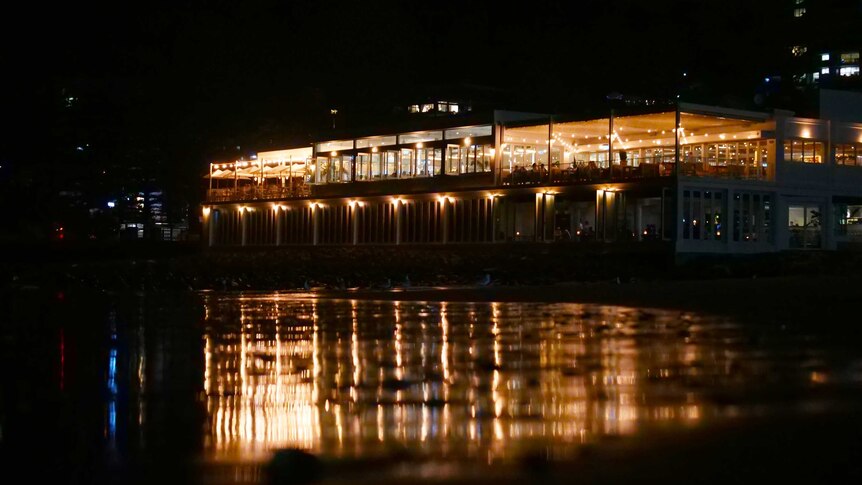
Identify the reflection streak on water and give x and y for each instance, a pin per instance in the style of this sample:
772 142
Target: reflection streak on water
445 379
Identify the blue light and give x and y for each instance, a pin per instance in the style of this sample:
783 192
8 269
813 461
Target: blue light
112 372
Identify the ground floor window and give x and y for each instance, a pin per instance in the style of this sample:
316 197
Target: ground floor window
752 217
848 221
703 214
804 223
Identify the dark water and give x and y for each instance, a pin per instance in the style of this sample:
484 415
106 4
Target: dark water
205 389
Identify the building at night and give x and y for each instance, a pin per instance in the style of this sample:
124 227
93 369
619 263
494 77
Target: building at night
699 179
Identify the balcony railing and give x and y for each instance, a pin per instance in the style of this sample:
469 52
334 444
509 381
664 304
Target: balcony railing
590 172
724 170
257 192
586 172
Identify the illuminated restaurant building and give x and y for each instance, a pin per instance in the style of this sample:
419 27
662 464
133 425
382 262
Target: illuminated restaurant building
697 179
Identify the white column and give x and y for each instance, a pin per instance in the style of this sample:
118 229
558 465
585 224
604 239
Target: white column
243 226
279 226
397 208
444 220
354 218
315 224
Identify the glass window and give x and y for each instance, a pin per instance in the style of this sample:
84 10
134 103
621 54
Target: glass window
428 161
335 145
377 169
321 170
850 58
807 151
419 137
474 158
848 71
812 152
751 217
345 169
363 166
686 214
423 162
376 141
390 168
848 219
453 159
716 215
849 154
804 225
414 108
435 158
696 219
471 131
407 163
824 57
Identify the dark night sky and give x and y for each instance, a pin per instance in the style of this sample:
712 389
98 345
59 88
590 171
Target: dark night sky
221 69
172 87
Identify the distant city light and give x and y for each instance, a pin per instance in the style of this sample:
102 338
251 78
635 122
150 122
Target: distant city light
112 204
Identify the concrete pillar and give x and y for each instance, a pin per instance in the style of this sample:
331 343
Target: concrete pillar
539 219
315 223
600 214
492 213
444 219
279 226
243 226
354 221
398 219
549 209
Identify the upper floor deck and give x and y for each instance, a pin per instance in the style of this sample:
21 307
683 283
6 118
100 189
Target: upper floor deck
550 150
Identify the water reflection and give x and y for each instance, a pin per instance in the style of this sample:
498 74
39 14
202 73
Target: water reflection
486 381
